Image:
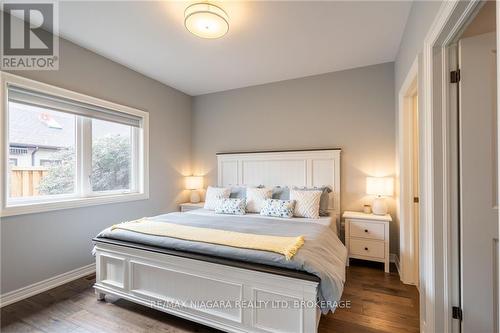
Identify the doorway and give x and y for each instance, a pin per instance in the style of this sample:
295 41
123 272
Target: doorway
444 304
474 81
409 180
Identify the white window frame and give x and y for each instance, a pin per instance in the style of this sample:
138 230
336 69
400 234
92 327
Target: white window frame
84 196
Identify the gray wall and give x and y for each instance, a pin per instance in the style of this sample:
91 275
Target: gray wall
352 109
35 247
421 16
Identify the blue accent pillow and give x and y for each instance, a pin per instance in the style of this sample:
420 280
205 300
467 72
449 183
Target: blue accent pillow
231 206
278 208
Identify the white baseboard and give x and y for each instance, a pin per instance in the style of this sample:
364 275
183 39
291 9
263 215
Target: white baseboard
393 257
39 287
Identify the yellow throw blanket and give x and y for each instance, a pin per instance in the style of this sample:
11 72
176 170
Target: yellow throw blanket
287 246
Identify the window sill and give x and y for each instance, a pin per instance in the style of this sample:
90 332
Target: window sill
70 203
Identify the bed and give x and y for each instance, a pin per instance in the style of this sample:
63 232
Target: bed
237 290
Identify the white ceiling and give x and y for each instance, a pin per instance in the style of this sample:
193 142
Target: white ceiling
267 41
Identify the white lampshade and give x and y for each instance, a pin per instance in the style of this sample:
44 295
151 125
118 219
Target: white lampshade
381 186
194 182
206 20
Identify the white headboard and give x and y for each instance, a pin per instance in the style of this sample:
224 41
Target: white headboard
283 168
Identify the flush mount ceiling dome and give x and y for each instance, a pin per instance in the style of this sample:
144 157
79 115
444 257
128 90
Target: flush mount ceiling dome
206 20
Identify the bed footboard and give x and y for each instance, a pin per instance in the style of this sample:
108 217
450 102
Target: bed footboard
222 296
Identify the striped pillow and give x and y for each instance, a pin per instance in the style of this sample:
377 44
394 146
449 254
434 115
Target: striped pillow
306 203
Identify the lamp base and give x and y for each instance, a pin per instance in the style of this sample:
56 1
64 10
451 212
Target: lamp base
379 206
195 196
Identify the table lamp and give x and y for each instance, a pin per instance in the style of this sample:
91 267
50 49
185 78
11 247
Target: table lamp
379 186
194 183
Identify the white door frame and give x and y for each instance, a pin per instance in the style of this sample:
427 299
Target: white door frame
407 246
498 129
436 293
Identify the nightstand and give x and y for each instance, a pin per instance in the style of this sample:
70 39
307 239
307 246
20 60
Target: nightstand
185 207
367 237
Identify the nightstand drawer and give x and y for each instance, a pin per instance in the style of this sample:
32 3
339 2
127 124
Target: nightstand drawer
367 248
370 230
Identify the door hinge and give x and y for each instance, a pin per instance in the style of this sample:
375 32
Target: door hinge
416 200
455 76
457 313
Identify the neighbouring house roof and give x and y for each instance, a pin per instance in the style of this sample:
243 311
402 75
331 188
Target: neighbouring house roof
31 126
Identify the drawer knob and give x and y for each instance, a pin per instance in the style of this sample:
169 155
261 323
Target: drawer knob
366 249
366 230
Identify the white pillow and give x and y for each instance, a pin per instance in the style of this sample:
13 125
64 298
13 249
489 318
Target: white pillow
256 198
306 203
278 208
231 206
214 194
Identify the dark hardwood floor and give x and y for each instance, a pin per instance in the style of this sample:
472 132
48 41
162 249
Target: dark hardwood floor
379 303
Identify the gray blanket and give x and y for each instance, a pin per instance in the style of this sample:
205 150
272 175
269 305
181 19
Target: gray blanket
322 254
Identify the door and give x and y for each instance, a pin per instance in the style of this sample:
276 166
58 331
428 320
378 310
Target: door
478 180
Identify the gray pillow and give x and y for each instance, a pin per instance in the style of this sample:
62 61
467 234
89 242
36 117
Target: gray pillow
281 193
238 192
324 199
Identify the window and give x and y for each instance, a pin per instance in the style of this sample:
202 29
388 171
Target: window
68 150
111 156
34 129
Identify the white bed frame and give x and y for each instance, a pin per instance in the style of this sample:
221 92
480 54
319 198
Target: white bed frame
199 290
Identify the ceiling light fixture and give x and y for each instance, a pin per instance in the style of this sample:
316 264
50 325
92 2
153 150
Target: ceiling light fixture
206 20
